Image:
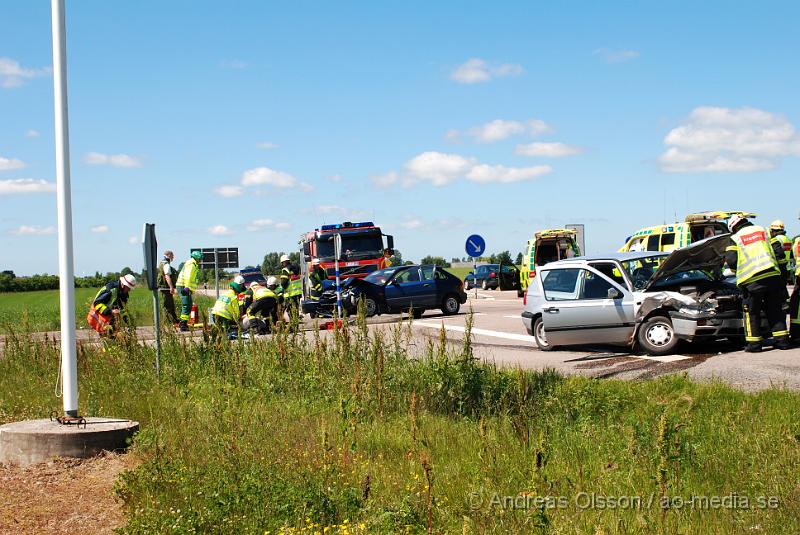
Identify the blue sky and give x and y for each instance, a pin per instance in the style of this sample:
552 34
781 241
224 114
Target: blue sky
248 124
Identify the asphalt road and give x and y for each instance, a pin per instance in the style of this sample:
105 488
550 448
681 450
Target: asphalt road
500 337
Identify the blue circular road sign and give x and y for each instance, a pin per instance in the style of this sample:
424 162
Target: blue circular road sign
476 246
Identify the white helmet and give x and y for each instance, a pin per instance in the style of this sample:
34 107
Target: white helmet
128 281
777 225
238 279
315 262
272 281
254 285
734 221
284 258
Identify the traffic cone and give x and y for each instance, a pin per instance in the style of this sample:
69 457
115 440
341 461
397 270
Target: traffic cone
193 315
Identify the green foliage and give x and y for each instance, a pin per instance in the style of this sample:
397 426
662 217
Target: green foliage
272 262
519 259
341 430
436 260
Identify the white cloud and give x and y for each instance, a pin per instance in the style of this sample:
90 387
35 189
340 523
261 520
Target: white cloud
499 129
306 187
114 160
616 56
133 240
716 139
265 175
229 191
439 168
100 229
500 173
219 230
259 224
266 145
34 230
32 133
335 178
10 164
477 70
282 226
548 150
26 185
412 224
385 180
12 74
326 209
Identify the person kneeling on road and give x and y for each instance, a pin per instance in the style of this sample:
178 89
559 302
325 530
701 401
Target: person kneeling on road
755 263
263 313
226 311
108 307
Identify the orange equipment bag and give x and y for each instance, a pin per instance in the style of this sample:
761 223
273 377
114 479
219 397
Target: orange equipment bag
97 321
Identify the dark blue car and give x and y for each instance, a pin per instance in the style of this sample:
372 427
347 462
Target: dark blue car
404 288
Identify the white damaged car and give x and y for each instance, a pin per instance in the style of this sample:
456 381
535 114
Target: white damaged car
648 298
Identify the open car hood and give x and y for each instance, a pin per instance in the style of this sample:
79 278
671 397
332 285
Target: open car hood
706 255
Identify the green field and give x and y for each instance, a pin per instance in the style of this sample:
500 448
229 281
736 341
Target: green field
39 311
348 435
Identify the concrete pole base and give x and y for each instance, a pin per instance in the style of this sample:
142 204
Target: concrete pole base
34 441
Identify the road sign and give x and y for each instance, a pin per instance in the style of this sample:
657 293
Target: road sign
150 250
218 257
476 246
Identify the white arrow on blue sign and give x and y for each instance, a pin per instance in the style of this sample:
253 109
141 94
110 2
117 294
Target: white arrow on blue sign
475 246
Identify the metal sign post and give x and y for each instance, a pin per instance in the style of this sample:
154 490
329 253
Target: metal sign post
337 252
66 273
217 258
475 246
150 246
216 271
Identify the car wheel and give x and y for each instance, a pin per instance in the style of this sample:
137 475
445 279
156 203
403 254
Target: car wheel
657 336
484 285
450 305
540 336
466 285
417 313
370 307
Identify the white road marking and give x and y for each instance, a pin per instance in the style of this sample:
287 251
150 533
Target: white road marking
517 317
480 332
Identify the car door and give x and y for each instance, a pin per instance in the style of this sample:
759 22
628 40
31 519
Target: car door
429 294
405 290
579 310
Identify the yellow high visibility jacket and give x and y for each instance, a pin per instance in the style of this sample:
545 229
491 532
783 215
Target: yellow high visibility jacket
227 306
292 284
755 259
786 245
189 275
796 253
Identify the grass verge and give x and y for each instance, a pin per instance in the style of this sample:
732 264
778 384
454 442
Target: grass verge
343 433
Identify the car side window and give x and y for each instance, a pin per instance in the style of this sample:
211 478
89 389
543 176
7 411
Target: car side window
652 242
427 273
594 286
612 272
409 275
439 275
561 284
668 239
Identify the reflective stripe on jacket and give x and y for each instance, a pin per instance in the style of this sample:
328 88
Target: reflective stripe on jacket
227 306
108 297
189 275
755 259
786 245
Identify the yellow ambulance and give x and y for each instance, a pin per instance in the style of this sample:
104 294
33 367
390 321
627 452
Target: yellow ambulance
675 235
546 246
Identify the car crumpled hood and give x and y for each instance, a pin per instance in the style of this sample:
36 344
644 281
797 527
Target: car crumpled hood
706 255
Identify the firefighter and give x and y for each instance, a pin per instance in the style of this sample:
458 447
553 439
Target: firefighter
263 313
166 279
778 236
226 311
291 284
386 259
187 285
109 304
794 302
315 279
755 263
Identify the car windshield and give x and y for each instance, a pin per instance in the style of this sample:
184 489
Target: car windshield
382 276
354 246
693 275
642 269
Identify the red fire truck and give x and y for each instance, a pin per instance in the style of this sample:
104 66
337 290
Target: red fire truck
362 249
